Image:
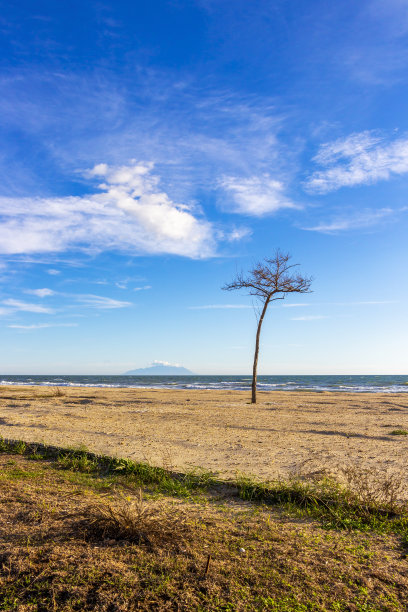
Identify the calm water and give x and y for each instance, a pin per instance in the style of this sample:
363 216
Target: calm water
371 384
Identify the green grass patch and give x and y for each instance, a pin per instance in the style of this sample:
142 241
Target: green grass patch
368 500
135 473
336 505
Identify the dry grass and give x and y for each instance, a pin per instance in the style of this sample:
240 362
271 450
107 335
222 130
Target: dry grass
75 541
376 488
371 487
132 519
48 393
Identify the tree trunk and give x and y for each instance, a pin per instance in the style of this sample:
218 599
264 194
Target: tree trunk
255 366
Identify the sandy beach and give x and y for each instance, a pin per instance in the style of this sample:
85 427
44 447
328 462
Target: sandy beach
217 430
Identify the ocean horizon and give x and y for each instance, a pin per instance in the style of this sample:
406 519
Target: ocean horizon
323 382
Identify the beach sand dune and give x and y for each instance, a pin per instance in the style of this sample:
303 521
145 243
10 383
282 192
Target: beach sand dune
217 430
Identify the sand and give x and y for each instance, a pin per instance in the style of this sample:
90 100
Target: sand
218 430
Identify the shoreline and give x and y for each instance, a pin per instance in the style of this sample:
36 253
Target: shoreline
380 391
373 384
219 430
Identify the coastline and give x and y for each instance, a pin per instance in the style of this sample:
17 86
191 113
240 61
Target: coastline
287 431
373 383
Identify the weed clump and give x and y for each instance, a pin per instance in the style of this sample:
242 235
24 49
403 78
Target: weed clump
153 524
50 393
368 498
80 462
375 489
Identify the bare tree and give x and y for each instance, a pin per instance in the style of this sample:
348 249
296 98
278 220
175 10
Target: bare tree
270 280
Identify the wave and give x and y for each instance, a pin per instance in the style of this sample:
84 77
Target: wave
338 384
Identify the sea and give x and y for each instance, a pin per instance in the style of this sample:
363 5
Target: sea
316 383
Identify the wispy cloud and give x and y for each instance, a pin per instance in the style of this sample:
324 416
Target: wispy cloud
193 133
17 305
145 288
219 306
357 220
40 292
131 214
43 326
378 56
256 196
236 234
361 158
98 301
66 300
124 284
299 305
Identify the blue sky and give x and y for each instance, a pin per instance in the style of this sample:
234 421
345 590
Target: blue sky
151 149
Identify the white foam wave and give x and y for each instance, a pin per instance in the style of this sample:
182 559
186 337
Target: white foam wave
243 384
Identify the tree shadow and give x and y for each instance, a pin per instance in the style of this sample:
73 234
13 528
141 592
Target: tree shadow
344 434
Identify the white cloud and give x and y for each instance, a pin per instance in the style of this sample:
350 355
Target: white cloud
17 305
87 300
193 132
359 159
353 145
123 284
41 292
164 363
257 195
145 288
131 214
52 272
218 306
238 233
98 301
43 325
359 220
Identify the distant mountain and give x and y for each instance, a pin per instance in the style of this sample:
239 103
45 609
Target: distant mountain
159 370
